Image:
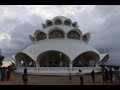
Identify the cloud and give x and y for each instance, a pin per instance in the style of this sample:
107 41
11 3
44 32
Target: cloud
102 21
107 37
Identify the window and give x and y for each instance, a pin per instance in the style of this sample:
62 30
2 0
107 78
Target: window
41 36
49 23
84 38
44 26
67 22
73 35
58 22
56 34
74 24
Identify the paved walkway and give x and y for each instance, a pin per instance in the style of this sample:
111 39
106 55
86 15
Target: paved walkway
16 79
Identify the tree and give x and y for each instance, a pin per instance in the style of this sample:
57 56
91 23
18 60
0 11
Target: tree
12 66
1 59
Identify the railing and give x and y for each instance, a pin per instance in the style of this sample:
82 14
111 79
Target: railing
86 69
45 68
58 69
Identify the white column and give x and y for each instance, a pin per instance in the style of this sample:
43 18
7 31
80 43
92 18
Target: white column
61 63
37 64
27 64
65 35
18 64
70 65
81 37
47 61
80 62
47 36
97 64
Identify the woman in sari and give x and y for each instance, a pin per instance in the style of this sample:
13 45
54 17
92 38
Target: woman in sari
3 74
8 74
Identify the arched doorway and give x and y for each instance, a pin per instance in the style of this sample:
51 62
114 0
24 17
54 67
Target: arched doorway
84 59
53 59
25 59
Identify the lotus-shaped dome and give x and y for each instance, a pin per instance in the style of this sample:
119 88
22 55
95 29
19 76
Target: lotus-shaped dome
60 40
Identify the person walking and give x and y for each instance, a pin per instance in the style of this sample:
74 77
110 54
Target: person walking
25 79
0 73
81 76
103 79
111 75
106 75
70 77
116 74
25 71
119 75
93 76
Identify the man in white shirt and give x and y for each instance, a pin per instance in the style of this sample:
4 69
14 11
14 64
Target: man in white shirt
81 76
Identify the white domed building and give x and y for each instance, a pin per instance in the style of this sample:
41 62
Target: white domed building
59 48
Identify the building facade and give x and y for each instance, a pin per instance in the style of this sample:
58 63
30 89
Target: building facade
59 48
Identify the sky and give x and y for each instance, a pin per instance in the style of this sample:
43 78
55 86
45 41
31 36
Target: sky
17 22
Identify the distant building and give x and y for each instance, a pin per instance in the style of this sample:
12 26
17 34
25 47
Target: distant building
59 48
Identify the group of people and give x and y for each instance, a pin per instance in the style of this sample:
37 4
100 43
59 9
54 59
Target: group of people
117 74
107 76
4 73
81 76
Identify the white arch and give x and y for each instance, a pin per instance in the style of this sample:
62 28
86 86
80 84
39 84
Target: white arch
103 58
53 51
13 57
23 56
95 57
71 48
